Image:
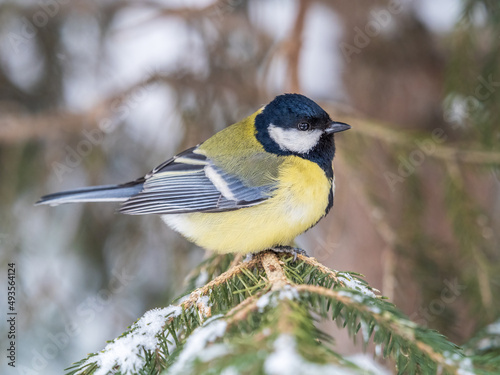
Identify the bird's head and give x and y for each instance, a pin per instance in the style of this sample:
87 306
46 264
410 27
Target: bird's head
293 124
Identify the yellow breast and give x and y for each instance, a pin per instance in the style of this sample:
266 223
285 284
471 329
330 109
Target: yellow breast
298 203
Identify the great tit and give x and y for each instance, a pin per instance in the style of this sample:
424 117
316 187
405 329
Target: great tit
253 186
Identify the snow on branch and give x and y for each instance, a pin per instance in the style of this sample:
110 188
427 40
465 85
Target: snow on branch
259 316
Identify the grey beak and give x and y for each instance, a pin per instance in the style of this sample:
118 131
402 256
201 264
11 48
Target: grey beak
335 127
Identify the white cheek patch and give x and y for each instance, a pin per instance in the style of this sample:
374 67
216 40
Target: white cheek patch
294 140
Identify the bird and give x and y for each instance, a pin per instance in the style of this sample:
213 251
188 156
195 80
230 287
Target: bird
253 186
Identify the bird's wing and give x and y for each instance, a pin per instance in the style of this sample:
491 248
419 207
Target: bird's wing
191 182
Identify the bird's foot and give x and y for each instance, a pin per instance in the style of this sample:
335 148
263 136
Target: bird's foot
289 250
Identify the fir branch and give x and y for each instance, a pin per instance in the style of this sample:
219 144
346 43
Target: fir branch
211 267
484 349
258 312
321 268
240 312
225 277
384 314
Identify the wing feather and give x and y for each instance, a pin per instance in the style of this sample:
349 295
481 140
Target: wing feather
191 182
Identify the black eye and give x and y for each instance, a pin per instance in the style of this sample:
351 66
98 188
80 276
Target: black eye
303 126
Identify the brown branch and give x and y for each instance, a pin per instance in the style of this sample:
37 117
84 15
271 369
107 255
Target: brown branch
218 8
241 311
277 280
15 127
285 324
237 259
293 46
273 269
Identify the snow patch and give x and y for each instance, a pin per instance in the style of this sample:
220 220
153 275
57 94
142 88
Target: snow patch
204 306
213 351
488 343
271 298
355 297
126 351
367 363
204 301
492 338
183 299
230 371
264 301
352 283
365 330
494 328
465 365
197 342
375 309
285 360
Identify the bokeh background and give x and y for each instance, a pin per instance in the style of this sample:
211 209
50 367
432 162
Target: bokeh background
99 92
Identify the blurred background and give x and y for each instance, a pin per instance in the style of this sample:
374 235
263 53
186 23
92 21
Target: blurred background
100 92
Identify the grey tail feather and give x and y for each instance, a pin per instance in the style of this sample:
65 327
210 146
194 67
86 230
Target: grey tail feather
103 193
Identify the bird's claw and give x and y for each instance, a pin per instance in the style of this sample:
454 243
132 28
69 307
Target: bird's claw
289 250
